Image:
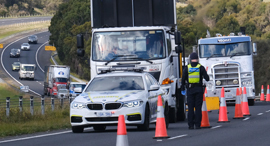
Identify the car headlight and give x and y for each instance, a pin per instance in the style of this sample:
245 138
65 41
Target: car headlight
78 105
135 103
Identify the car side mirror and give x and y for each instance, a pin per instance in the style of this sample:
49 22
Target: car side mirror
154 87
254 48
78 90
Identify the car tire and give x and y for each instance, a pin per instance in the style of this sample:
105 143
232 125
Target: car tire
77 129
251 102
145 125
99 127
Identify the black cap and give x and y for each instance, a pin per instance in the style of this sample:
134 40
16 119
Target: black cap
193 56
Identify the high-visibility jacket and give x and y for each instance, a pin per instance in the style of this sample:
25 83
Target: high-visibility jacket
194 73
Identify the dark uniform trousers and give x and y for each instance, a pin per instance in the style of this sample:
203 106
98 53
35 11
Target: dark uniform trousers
194 99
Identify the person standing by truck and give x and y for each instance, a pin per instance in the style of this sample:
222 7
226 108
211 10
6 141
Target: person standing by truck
193 75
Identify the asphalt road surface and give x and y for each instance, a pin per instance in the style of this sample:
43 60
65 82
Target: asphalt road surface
10 21
29 57
251 131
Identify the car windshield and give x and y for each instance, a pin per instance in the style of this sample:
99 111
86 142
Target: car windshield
224 50
116 83
28 68
61 80
14 50
32 37
78 86
25 44
16 63
139 45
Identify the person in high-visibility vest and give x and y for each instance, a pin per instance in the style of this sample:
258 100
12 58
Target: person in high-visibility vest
192 78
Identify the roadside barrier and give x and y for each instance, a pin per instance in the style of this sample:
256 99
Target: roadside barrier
161 131
33 105
121 139
205 120
268 94
262 94
238 109
223 117
245 108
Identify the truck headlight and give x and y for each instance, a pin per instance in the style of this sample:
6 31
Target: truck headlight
135 103
78 105
247 83
246 75
218 83
235 81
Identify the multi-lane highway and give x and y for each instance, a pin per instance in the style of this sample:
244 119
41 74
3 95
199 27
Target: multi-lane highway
10 21
251 131
37 55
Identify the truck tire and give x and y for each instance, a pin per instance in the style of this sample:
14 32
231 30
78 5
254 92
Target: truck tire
77 129
166 115
181 113
145 125
173 115
251 102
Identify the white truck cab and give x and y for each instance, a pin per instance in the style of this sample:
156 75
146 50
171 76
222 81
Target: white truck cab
27 71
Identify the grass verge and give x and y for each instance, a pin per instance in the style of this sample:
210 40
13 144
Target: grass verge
7 91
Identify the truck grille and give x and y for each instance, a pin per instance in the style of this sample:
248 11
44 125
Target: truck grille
226 74
111 106
95 106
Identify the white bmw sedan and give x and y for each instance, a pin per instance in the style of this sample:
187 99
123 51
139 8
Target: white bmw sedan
109 95
25 46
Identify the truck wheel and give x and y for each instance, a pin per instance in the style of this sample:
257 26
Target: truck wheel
99 127
77 129
181 109
173 115
145 125
251 102
49 93
166 115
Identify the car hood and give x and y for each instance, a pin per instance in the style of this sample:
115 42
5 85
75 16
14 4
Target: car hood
110 96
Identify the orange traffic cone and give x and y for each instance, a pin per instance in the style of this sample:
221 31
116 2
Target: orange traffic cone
161 131
245 108
122 139
238 109
223 117
205 120
268 94
262 94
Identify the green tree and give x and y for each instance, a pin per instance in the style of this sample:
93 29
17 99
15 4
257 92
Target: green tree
228 24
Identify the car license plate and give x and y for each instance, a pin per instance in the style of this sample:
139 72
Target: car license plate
104 114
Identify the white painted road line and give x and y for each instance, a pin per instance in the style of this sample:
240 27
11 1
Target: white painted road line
37 55
216 127
159 140
260 114
178 136
246 119
267 111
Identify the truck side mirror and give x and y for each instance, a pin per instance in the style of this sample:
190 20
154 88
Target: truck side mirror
80 41
177 37
80 52
178 49
254 48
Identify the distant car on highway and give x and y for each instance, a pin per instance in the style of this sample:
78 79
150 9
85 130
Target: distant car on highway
132 94
16 66
76 88
15 53
33 39
25 46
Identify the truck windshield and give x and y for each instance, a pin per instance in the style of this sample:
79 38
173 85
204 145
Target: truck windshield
60 80
224 50
116 83
28 68
141 45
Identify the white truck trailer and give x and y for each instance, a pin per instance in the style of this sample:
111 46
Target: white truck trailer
27 71
141 33
56 77
229 60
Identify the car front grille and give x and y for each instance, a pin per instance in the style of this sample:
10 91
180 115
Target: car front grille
95 106
102 119
111 106
226 74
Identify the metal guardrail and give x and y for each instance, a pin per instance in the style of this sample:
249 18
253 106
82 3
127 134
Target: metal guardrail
33 104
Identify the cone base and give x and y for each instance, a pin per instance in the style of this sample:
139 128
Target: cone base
161 137
223 121
206 127
238 117
247 115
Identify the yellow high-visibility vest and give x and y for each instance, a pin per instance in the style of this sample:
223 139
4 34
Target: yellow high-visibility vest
194 74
